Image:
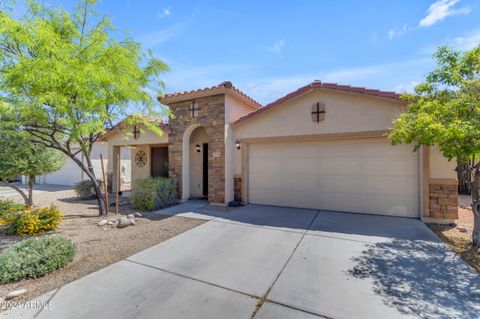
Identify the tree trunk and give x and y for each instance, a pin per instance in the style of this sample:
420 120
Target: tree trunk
15 187
476 208
31 181
91 175
100 198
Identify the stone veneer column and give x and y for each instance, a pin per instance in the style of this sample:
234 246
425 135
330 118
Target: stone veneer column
211 115
237 188
443 199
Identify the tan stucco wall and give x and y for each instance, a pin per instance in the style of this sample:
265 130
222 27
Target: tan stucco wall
440 167
123 138
344 113
199 136
140 172
234 109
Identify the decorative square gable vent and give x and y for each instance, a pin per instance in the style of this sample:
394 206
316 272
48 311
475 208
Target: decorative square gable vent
318 112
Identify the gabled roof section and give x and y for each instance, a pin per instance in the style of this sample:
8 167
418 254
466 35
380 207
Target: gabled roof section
318 84
123 123
225 87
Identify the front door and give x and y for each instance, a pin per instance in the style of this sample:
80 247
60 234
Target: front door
205 170
159 162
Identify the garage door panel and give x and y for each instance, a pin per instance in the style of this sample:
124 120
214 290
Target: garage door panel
339 184
368 176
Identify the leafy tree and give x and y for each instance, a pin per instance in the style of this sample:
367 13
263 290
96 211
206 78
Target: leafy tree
65 78
445 111
20 156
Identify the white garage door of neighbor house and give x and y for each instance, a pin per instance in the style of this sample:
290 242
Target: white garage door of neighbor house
67 175
361 176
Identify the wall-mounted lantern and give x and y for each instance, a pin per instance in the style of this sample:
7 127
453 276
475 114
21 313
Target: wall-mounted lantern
197 147
237 144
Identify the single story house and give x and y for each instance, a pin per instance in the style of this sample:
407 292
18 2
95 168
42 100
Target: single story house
323 146
70 173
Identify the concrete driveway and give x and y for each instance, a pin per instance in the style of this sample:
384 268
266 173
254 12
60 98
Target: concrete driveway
272 262
38 189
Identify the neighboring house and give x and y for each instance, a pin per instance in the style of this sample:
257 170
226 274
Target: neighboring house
323 146
70 174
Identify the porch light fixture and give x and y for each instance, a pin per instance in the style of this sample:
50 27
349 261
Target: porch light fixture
197 147
237 144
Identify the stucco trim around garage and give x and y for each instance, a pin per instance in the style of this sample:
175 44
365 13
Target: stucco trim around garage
347 89
313 137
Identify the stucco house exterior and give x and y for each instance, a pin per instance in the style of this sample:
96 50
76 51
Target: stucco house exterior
323 146
71 173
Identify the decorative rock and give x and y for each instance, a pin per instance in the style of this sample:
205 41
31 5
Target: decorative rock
137 215
15 294
103 222
462 229
132 221
111 222
131 216
123 222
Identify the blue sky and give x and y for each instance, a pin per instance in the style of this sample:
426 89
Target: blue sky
270 48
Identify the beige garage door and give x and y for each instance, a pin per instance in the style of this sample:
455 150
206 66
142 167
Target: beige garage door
361 175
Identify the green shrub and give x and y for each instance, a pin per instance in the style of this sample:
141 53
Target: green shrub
9 206
29 222
8 211
35 257
153 193
85 190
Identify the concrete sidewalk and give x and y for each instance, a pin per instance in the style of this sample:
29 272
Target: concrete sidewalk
272 262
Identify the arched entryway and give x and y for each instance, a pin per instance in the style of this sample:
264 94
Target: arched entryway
195 163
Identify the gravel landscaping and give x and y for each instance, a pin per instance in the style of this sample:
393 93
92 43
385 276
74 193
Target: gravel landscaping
459 237
97 246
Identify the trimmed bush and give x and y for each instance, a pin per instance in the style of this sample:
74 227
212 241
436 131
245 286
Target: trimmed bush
153 193
85 190
35 257
29 222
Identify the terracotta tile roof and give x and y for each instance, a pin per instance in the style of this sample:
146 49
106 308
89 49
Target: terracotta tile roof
162 123
319 84
227 85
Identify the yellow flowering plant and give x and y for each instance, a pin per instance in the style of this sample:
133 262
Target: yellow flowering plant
30 222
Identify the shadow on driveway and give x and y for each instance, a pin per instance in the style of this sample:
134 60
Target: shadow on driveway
417 276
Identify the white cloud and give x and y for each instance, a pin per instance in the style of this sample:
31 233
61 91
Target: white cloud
406 87
466 42
277 47
156 37
441 9
395 32
165 13
381 76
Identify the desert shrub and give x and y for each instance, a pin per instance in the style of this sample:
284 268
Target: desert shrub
153 193
8 211
29 222
9 206
35 257
85 190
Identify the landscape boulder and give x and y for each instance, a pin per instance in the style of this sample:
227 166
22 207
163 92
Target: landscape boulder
123 222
